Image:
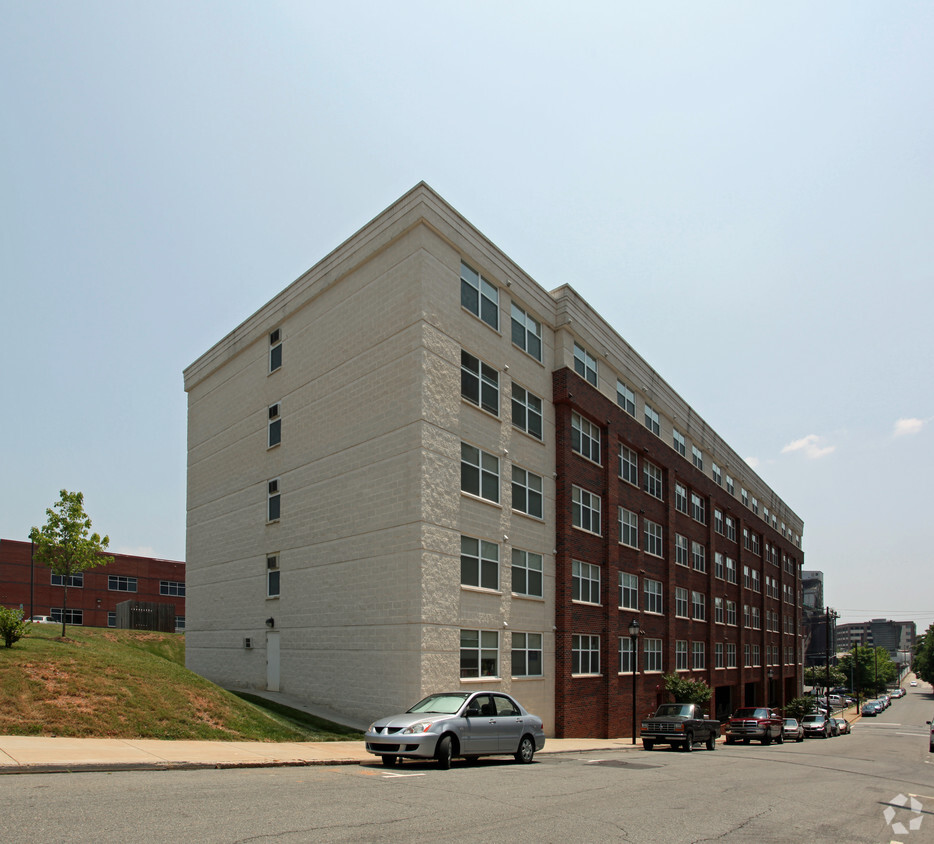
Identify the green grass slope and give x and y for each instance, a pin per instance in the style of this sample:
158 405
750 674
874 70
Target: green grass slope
132 684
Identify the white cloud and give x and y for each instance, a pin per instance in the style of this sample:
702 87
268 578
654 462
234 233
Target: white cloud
907 427
811 445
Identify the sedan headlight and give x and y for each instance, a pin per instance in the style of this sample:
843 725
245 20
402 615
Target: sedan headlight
418 727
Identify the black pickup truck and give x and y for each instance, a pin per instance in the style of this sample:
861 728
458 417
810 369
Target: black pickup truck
680 725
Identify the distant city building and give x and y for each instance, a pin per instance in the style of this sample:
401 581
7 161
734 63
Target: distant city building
814 619
93 595
895 636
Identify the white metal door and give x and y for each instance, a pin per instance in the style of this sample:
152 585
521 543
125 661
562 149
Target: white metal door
272 660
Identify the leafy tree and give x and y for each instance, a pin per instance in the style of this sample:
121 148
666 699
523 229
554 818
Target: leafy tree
798 707
687 691
872 669
13 625
66 544
816 676
923 662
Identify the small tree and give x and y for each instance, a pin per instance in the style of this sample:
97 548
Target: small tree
798 707
13 625
687 691
66 544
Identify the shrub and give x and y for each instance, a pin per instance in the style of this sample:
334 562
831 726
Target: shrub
13 625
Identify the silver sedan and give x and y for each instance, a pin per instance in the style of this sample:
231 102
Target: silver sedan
468 724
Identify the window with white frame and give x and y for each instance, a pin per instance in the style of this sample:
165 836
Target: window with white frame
272 576
730 529
626 655
698 606
730 655
677 440
698 509
526 411
755 505
585 582
747 616
273 426
652 592
585 654
716 474
275 349
681 602
172 588
652 654
718 610
756 583
628 591
121 583
75 580
718 521
527 655
625 398
718 565
698 556
527 492
273 500
479 563
479 296
747 581
112 619
652 420
681 550
698 656
526 332
729 485
585 364
652 479
479 473
585 510
479 653
731 613
585 437
681 498
718 654
479 383
747 656
69 616
628 528
744 496
628 465
697 457
527 573
756 618
681 655
652 532
730 570
756 656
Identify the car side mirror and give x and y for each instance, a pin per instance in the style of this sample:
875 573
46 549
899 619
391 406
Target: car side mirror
472 712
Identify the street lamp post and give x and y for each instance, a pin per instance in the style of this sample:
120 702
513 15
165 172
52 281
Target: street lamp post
770 695
633 637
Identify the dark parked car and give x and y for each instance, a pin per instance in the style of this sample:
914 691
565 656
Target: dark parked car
468 724
680 725
816 725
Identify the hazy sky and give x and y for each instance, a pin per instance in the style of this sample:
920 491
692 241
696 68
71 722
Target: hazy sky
744 190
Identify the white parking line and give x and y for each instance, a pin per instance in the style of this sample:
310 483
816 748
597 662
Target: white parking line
397 776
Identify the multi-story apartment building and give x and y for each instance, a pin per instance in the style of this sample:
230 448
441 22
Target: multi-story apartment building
93 595
897 637
416 469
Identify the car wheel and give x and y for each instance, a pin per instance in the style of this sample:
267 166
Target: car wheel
390 761
746 740
444 753
688 744
648 744
766 737
800 738
780 738
526 750
711 742
932 748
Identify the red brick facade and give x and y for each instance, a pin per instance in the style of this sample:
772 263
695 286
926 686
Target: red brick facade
601 705
95 599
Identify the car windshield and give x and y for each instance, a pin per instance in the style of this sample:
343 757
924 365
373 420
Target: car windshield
672 710
812 718
446 704
790 722
751 713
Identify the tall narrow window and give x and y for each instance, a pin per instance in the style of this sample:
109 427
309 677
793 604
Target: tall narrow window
585 654
585 582
526 332
585 437
272 576
526 411
628 465
272 501
585 364
479 563
677 440
652 420
479 473
527 492
479 296
625 398
275 349
585 510
274 426
527 573
479 383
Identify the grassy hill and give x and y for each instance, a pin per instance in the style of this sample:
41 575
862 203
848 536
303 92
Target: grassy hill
132 684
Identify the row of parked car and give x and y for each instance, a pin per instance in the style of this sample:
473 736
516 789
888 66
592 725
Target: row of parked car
880 704
759 723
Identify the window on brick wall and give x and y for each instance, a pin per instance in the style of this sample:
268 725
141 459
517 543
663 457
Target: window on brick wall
585 438
681 550
628 591
652 655
628 528
681 602
585 510
652 592
652 479
585 582
585 654
653 538
628 465
681 655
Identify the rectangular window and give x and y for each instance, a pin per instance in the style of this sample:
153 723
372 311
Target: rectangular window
697 457
628 465
272 576
526 411
628 528
652 479
585 510
718 521
74 580
628 591
585 582
479 383
585 654
652 420
730 655
585 364
172 588
729 485
479 563
112 618
756 618
479 296
730 529
681 602
479 473
718 655
625 398
698 656
756 582
653 539
121 583
526 332
585 438
698 509
716 474
746 578
527 495
652 654
527 573
273 427
527 655
275 350
179 624
273 500
755 505
681 550
681 655
698 606
652 591
747 656
699 556
70 616
626 661
747 616
718 610
731 613
756 658
718 565
681 498
730 570
677 440
744 496
479 653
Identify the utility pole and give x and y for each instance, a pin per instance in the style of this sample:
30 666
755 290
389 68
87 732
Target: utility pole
830 614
